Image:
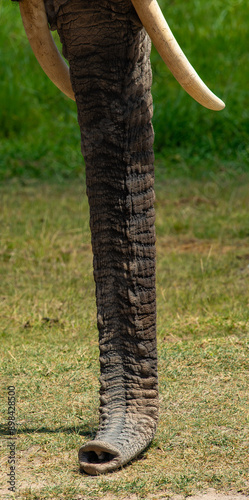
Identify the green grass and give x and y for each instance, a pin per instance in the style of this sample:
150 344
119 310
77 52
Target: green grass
49 347
39 134
214 37
49 341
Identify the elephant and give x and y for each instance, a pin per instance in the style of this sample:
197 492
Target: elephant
107 44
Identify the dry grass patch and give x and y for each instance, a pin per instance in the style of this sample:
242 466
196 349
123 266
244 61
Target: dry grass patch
49 345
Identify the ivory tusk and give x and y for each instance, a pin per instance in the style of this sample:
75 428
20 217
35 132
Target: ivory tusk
42 43
162 37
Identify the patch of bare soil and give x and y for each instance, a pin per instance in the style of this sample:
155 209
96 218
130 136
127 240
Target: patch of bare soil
208 495
211 494
204 247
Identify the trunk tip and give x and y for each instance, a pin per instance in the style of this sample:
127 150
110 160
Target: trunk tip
98 457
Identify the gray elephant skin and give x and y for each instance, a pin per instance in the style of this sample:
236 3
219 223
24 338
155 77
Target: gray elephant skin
108 52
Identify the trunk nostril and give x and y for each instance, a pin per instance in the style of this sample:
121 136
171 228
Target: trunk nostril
96 457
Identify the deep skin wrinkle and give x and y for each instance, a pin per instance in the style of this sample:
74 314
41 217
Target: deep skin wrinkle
108 52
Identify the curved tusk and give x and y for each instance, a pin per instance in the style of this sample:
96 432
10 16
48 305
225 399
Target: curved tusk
42 43
157 28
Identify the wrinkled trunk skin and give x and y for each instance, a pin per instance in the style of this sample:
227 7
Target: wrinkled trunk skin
108 52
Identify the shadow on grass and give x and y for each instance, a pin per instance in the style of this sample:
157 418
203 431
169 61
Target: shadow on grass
81 431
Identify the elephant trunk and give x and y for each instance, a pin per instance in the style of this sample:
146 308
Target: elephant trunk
108 53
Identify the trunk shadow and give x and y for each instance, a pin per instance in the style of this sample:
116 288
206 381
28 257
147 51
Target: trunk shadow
81 430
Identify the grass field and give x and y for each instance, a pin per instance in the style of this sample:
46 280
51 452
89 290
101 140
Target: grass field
49 349
39 136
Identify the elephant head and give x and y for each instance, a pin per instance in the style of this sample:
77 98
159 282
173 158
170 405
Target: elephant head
107 45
